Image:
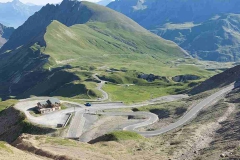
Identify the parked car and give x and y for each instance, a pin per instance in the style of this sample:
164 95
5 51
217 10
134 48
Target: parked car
88 104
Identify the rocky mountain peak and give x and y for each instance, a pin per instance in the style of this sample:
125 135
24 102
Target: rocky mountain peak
67 2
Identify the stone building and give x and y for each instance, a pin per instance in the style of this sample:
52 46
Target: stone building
48 106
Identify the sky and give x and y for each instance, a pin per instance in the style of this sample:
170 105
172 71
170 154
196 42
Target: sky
42 2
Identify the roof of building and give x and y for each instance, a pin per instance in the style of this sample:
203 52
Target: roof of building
50 100
54 100
43 103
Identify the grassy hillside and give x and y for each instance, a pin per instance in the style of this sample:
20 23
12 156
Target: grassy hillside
106 44
5 104
118 136
9 152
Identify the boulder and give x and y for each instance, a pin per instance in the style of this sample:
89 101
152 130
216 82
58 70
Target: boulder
151 77
184 78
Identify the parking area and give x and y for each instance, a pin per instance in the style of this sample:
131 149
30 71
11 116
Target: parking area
51 119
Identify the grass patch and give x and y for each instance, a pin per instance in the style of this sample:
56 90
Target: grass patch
165 110
137 93
124 135
118 136
4 147
63 106
71 99
35 129
33 113
7 103
60 141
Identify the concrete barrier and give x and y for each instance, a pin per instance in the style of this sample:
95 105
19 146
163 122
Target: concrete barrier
68 119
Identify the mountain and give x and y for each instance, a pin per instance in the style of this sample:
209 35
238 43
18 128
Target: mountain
104 2
56 51
217 39
17 12
203 28
5 33
30 4
152 13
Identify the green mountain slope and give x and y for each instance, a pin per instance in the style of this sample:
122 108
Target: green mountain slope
106 44
60 47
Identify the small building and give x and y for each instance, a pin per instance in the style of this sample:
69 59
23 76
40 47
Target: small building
51 105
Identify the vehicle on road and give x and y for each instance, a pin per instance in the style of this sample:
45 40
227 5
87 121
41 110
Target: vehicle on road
88 104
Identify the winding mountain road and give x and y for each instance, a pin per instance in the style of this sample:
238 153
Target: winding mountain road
187 117
100 86
76 125
152 118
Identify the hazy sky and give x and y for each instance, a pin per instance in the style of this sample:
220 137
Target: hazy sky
41 2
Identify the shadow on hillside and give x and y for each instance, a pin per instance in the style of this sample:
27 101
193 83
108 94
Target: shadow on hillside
220 80
70 90
34 110
162 113
45 83
13 123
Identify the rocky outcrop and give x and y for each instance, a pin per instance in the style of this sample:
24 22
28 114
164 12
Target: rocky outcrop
185 78
5 33
152 77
